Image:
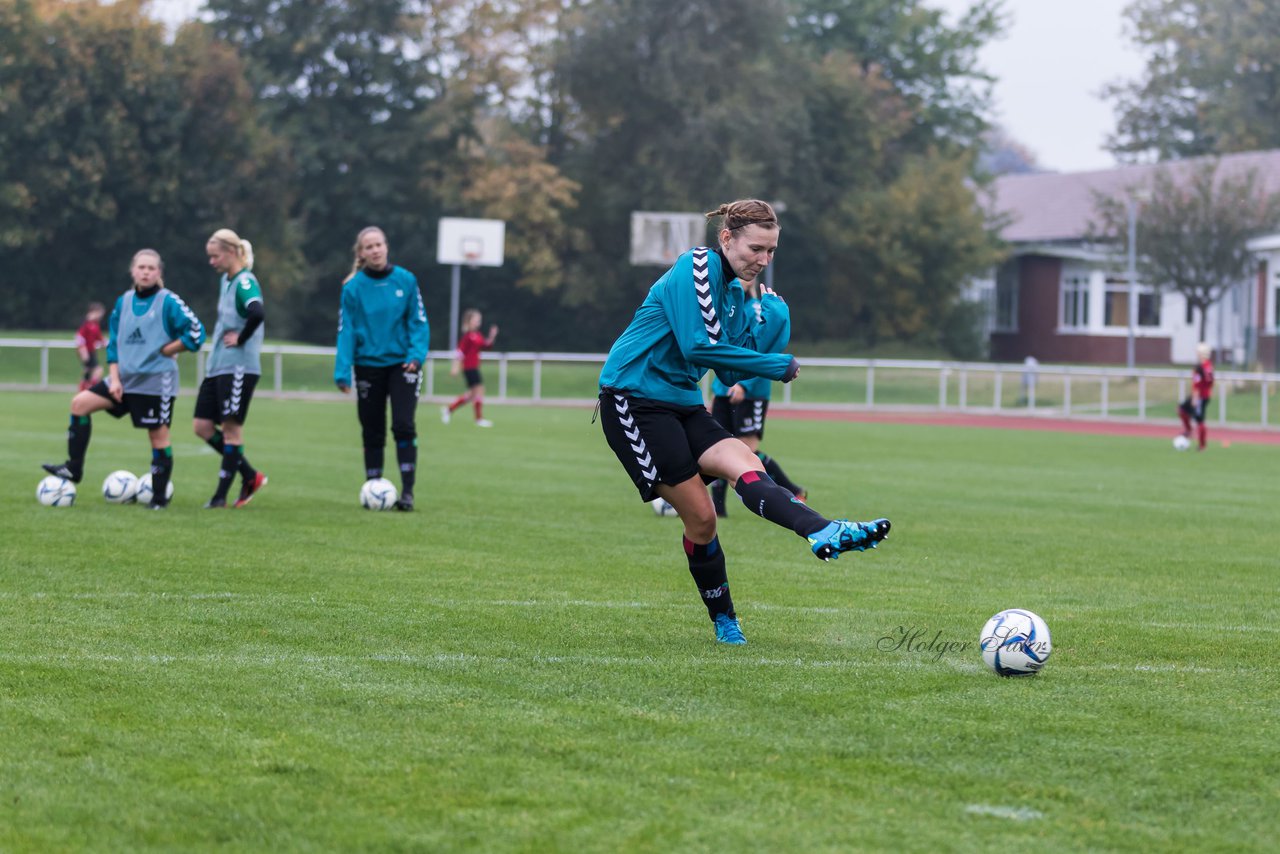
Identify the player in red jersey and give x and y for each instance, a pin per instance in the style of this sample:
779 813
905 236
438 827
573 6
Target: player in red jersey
89 339
468 359
1201 391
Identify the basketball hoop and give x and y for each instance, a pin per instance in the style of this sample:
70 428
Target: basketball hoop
660 237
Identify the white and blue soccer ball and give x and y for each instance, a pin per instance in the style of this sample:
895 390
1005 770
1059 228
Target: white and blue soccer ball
662 507
145 491
56 491
1015 643
378 494
120 487
1181 443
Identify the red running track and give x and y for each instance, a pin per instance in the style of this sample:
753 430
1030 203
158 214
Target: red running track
1223 434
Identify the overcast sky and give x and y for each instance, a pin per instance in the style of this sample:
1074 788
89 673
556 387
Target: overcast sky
1050 67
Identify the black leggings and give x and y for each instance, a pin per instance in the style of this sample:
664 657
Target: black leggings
373 387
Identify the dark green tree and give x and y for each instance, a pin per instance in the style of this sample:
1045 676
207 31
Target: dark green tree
398 112
111 139
1211 82
680 106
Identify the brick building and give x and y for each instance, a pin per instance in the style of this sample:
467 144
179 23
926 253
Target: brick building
1063 298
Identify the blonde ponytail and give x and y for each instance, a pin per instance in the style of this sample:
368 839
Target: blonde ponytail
237 244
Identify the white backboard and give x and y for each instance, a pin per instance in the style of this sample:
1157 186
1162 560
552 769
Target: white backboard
659 237
474 242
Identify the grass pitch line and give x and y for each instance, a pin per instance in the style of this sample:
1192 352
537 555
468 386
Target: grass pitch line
1011 813
1208 627
453 659
438 603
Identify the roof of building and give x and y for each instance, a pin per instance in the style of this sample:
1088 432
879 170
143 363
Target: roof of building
1056 206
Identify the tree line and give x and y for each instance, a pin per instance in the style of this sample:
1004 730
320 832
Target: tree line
297 122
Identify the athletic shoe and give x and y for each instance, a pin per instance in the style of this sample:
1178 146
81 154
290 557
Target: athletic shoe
215 504
249 489
158 505
728 630
445 414
483 422
405 502
845 536
61 470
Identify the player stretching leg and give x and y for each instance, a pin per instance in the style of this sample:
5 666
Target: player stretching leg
743 408
234 366
652 411
149 326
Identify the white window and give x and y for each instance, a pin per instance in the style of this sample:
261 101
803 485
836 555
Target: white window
1075 299
1274 300
1116 304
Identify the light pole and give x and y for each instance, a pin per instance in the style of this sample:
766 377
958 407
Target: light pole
1131 209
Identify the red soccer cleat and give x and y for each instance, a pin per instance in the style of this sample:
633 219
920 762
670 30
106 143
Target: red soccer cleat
249 489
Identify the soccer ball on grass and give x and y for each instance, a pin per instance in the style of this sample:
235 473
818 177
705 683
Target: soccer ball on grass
378 494
1015 643
146 492
120 487
56 491
1181 443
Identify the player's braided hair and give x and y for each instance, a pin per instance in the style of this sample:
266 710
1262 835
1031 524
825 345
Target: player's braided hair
357 264
745 212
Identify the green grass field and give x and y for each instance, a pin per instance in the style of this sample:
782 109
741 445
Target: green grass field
524 665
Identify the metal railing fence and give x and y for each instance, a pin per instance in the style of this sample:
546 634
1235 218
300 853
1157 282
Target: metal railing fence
1240 397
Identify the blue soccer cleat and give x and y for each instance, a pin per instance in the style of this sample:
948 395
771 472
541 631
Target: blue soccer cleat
845 536
728 631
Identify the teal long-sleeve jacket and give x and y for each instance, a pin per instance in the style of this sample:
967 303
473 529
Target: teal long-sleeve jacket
772 336
694 319
382 322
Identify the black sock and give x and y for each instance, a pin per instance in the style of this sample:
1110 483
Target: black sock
161 471
719 489
247 472
216 441
407 456
78 433
372 463
226 474
779 476
765 498
706 565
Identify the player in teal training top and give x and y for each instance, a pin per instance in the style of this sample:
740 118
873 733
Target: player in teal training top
651 406
383 336
149 326
234 366
742 408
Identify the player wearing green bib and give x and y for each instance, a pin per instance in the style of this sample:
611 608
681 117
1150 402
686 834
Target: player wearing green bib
234 366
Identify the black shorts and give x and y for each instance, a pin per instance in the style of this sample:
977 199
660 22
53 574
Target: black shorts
91 362
473 376
741 419
657 442
1195 410
148 411
225 397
